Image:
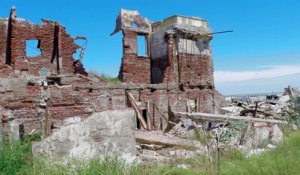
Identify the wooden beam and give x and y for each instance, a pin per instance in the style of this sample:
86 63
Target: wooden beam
135 107
158 139
148 115
207 116
161 114
175 128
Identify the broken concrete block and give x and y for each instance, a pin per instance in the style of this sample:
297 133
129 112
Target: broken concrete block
284 99
260 137
14 134
181 153
232 109
104 133
276 135
187 122
255 152
183 166
127 18
71 121
294 127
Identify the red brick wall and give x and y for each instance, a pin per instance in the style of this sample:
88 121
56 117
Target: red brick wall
68 101
22 30
185 69
134 69
67 49
171 73
195 70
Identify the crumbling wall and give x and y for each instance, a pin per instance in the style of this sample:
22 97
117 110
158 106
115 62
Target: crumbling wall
181 55
55 44
196 70
21 101
134 68
22 31
44 107
178 48
83 100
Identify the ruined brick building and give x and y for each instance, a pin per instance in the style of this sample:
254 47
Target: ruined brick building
177 50
40 92
177 54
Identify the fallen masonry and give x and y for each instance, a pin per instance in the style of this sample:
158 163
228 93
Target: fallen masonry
169 88
109 132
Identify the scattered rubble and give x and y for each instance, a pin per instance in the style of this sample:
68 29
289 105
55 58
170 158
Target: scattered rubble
251 127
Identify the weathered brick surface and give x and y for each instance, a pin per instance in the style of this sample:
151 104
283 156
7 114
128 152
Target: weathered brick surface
53 40
22 30
134 68
69 101
18 93
196 70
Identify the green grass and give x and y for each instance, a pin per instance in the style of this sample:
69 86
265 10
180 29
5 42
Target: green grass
105 77
108 166
17 159
109 79
283 160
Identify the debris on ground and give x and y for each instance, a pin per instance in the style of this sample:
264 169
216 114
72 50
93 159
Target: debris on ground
249 124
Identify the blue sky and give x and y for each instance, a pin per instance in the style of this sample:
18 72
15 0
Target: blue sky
261 55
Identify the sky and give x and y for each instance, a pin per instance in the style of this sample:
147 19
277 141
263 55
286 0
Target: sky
261 55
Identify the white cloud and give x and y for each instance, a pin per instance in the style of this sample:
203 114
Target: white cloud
268 85
269 72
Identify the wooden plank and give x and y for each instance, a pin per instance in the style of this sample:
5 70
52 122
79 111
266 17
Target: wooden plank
158 139
207 116
161 114
135 107
148 115
175 128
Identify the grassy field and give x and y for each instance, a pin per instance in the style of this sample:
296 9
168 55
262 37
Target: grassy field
17 159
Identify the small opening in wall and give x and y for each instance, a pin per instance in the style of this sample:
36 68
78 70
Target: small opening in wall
33 48
142 45
138 123
54 81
